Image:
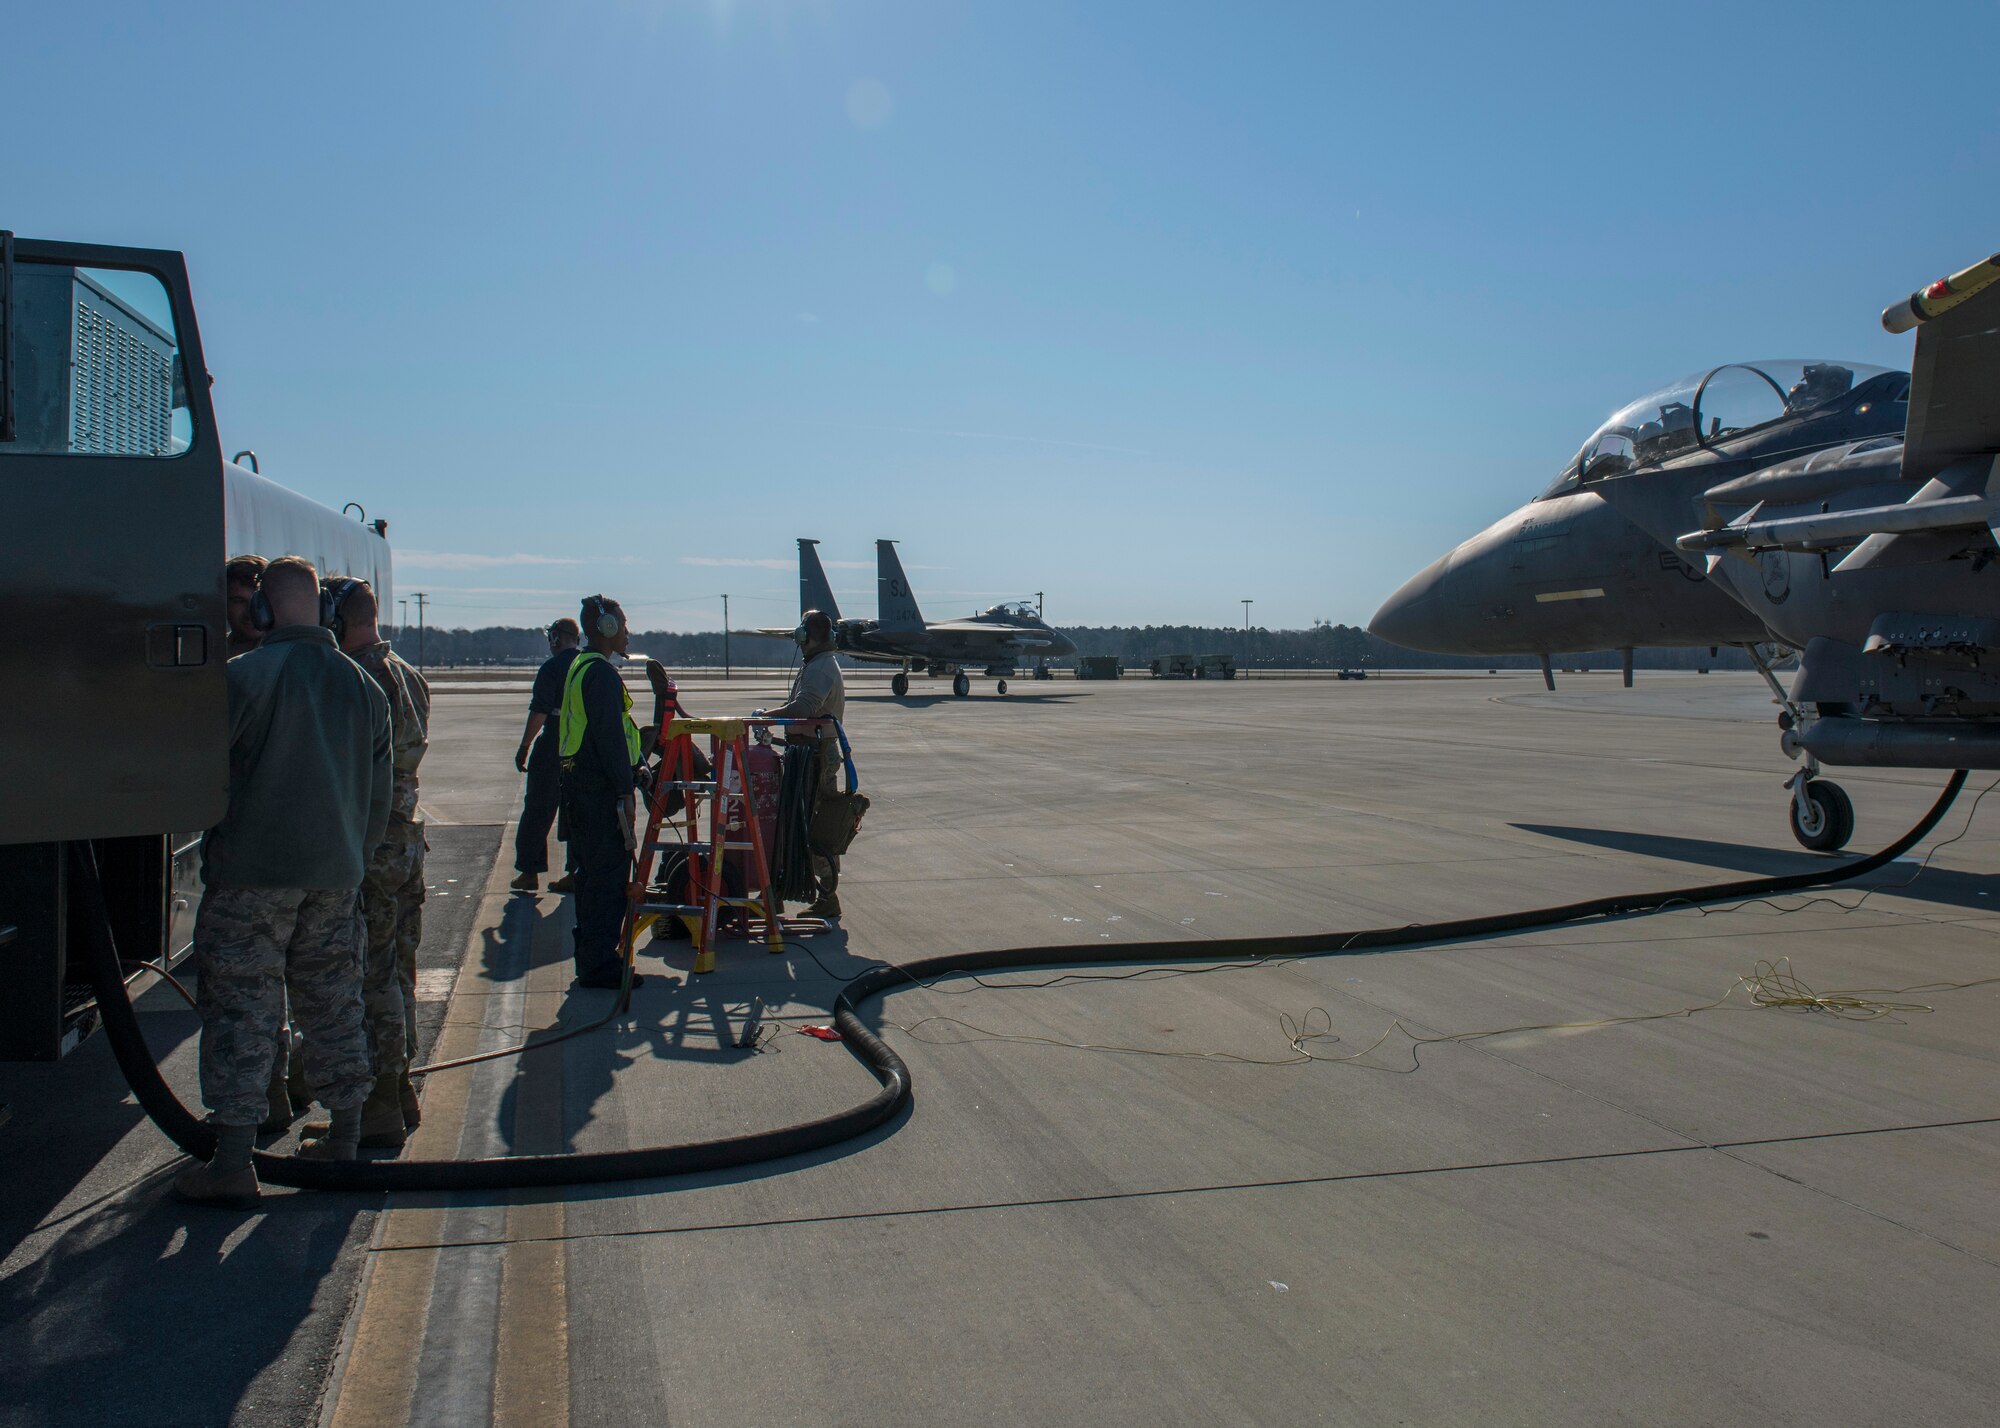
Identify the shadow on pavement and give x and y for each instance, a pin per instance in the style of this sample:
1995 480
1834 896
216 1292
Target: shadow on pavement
675 1017
1904 878
132 1308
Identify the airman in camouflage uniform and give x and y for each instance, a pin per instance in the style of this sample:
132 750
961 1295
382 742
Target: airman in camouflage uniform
253 944
392 889
309 794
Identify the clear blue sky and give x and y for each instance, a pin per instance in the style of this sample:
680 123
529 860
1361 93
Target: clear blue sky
1149 306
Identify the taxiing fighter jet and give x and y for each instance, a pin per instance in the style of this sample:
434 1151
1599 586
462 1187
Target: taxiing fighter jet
1830 527
996 641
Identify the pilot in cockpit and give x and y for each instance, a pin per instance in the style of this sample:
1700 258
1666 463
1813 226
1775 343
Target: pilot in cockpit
1671 431
1821 382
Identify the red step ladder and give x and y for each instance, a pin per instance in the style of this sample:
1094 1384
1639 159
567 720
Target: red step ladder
720 816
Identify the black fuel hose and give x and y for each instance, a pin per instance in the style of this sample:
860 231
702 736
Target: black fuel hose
142 1072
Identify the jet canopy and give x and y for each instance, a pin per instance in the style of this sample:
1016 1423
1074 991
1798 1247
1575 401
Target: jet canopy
1012 610
1711 406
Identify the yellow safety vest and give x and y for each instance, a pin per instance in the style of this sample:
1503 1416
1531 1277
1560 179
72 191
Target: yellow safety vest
573 717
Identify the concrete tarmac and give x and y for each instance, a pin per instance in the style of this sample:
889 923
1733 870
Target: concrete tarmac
1137 1200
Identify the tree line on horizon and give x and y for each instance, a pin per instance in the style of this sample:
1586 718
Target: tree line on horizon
1322 646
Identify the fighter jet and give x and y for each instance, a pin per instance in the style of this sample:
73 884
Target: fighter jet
1571 571
995 640
1838 532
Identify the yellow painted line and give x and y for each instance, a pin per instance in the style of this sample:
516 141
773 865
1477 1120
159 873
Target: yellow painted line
532 1359
376 1374
1555 595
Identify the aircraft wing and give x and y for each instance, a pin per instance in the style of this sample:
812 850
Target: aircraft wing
983 629
1955 377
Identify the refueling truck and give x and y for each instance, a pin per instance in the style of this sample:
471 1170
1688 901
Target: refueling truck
117 513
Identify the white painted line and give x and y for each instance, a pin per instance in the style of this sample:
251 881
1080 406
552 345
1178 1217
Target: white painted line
434 983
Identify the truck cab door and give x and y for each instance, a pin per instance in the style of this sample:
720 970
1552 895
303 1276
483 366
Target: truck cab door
113 707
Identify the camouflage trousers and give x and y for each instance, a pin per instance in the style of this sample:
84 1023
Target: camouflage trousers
249 945
392 917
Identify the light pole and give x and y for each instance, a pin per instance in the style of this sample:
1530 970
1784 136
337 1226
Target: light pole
725 637
420 598
1246 637
404 623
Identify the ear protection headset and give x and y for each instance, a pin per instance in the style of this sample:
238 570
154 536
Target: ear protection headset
332 595
606 621
802 636
261 616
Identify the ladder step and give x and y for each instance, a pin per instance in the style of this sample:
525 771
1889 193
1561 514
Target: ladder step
694 908
707 786
655 846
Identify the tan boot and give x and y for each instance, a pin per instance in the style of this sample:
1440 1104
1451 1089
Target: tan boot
526 882
382 1117
282 1113
377 1133
328 1149
229 1189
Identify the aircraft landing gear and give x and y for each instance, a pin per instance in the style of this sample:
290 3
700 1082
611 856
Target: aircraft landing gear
961 684
1822 813
899 683
1001 687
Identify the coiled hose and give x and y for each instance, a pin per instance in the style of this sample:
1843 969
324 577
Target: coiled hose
142 1073
791 857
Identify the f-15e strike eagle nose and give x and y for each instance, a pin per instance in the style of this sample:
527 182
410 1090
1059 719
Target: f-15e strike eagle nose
1420 616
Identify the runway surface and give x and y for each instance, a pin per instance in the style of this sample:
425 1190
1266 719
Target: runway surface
1127 1201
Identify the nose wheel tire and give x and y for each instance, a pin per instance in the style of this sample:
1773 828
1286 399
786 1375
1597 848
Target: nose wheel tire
961 686
899 685
1001 687
1827 821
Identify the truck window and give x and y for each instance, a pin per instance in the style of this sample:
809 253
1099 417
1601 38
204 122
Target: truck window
97 370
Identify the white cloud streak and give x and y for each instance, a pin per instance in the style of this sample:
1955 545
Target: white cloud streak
467 560
747 562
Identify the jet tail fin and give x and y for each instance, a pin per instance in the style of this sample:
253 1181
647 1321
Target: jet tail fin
814 592
1955 376
896 607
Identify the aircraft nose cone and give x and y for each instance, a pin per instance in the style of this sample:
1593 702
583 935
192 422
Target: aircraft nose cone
1418 616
